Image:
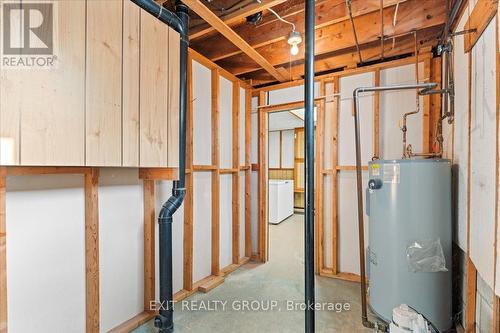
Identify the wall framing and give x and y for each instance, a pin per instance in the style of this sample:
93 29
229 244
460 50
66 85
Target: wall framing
431 66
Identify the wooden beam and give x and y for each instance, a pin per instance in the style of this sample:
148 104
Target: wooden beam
134 322
470 297
248 173
272 30
215 173
92 251
227 32
482 14
262 181
334 202
236 175
338 36
426 123
149 201
188 204
43 170
237 16
3 254
159 173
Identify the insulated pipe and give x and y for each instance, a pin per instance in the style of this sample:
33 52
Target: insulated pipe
179 21
359 182
165 319
309 165
164 15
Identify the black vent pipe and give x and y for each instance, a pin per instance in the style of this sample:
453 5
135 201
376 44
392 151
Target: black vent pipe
179 21
309 165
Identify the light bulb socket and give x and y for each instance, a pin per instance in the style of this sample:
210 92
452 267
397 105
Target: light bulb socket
294 38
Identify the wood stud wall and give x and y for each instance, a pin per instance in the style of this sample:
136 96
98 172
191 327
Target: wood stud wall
321 172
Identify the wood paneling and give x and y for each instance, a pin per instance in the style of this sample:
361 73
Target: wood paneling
173 97
42 110
131 70
154 85
103 114
109 77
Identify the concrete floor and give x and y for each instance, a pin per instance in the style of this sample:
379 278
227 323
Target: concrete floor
280 280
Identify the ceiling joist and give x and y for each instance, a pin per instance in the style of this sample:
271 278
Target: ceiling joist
228 33
411 14
272 30
235 17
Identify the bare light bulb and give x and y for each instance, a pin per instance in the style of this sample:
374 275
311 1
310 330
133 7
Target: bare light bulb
294 50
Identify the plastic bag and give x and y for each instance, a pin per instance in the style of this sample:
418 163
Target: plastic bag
426 256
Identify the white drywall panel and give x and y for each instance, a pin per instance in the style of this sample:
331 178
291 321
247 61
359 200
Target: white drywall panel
225 123
254 138
461 135
393 105
121 246
287 148
328 127
202 225
290 94
283 120
202 115
327 220
254 210
348 222
242 213
242 126
274 149
226 220
346 151
483 153
46 253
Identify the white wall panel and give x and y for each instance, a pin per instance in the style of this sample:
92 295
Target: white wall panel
393 104
254 137
274 149
226 220
346 120
242 125
254 210
121 246
328 130
202 115
46 254
483 153
327 220
202 225
461 135
348 222
225 123
291 94
287 148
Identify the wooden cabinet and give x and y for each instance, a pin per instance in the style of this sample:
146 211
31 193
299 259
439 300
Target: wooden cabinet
111 98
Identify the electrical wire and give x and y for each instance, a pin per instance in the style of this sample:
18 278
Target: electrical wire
282 19
348 3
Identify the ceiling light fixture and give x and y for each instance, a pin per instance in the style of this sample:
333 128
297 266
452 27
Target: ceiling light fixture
294 38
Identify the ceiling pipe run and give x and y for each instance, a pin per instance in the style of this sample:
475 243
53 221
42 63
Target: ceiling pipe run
309 165
179 21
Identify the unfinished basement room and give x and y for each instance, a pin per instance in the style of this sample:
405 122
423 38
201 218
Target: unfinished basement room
245 166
